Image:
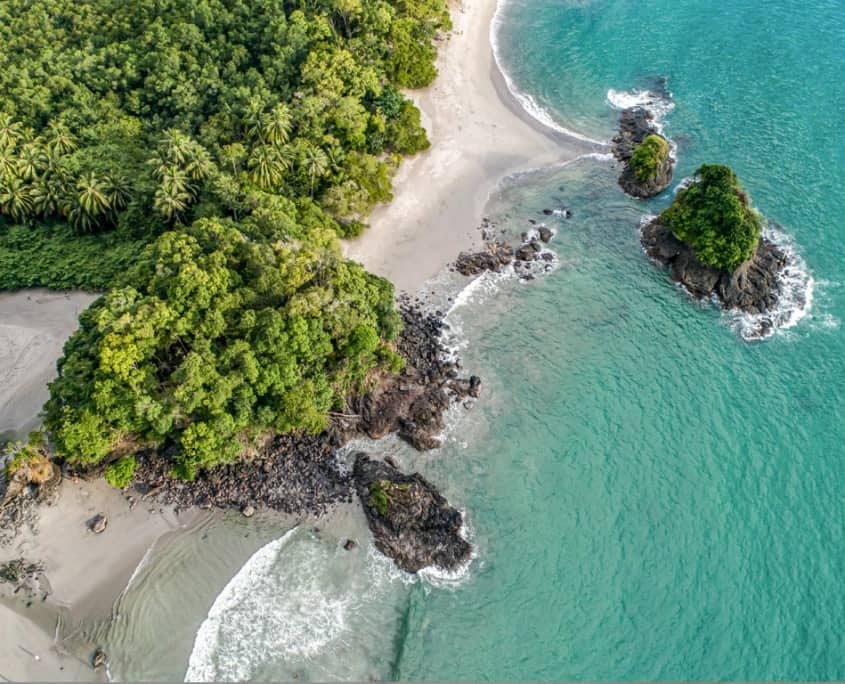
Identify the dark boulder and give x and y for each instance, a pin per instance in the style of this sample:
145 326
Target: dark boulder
753 287
98 523
98 659
493 257
545 234
526 253
411 522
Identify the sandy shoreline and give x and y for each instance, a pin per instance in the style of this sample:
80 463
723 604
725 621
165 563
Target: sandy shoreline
479 135
34 325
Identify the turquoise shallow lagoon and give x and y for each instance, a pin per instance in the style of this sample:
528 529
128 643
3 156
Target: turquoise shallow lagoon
651 496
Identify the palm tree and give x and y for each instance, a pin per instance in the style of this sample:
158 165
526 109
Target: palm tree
316 164
60 140
267 166
11 132
176 147
170 202
199 166
275 126
118 191
8 163
174 179
253 117
31 159
90 205
48 192
16 199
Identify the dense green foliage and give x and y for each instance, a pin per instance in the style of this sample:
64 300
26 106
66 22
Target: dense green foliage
713 216
649 156
120 473
220 338
200 159
56 257
149 113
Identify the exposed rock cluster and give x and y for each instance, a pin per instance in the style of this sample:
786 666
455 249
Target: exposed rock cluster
411 521
753 287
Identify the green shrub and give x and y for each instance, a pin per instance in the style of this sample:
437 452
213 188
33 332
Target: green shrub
649 156
30 458
713 217
120 473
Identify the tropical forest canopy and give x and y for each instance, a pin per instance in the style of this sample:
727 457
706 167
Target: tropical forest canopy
649 156
220 338
198 159
713 216
140 115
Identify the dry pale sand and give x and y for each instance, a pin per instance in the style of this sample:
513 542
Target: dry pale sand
479 134
34 325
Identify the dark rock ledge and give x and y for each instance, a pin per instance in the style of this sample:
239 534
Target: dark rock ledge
411 521
753 287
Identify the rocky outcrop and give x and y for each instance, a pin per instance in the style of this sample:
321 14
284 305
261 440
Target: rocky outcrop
493 257
753 287
295 473
412 403
410 520
36 481
634 125
299 473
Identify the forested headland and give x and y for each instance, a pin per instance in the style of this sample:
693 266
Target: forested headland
198 160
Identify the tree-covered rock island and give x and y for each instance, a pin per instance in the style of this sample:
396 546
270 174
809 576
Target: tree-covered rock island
711 238
198 162
644 153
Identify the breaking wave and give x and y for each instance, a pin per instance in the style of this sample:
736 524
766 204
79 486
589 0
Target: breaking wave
528 103
796 288
659 104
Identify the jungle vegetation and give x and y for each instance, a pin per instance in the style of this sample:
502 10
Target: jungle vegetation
649 156
713 216
197 160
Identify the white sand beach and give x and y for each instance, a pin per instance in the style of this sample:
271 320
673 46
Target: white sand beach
479 135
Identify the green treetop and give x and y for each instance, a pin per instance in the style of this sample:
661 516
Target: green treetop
649 156
215 338
713 217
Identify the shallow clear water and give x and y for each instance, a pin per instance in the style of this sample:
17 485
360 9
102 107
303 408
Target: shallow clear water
651 497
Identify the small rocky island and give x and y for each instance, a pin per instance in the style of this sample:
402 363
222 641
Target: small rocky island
710 238
411 521
645 154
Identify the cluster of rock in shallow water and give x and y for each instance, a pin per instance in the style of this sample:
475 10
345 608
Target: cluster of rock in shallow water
754 287
635 125
496 254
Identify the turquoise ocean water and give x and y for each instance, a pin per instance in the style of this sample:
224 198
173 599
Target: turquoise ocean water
651 496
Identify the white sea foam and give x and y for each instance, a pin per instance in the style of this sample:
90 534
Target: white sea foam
451 579
655 103
683 184
298 604
528 103
796 289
